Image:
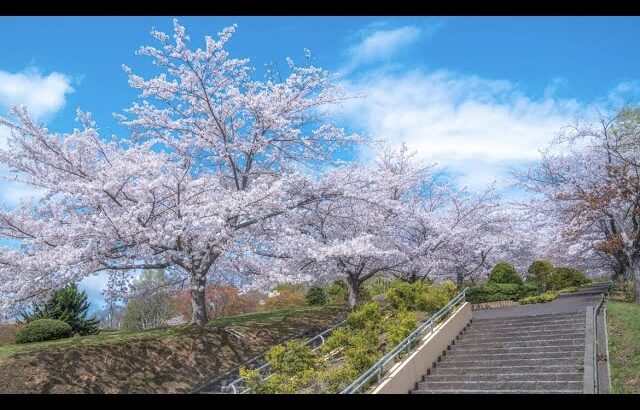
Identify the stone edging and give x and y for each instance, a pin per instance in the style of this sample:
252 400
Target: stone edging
493 305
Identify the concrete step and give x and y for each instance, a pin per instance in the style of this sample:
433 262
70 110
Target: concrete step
523 336
486 370
568 376
547 318
463 355
501 385
470 349
465 343
528 326
516 332
452 362
497 392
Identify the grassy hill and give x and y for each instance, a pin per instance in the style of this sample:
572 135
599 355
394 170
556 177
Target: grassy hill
623 325
166 360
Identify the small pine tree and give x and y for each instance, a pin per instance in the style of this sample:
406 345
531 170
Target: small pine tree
68 305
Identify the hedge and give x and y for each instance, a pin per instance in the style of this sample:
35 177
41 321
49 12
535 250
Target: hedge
492 292
43 329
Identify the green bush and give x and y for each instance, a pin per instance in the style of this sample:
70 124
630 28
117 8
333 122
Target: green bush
367 316
542 298
504 272
316 296
539 272
405 296
566 277
437 296
360 347
628 288
420 296
401 324
43 329
294 367
337 292
493 292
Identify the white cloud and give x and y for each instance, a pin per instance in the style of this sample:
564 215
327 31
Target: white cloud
475 127
43 95
381 45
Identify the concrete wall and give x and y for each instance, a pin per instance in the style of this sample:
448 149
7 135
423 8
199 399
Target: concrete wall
403 376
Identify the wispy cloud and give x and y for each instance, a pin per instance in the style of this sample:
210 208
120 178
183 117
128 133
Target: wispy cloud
477 128
380 43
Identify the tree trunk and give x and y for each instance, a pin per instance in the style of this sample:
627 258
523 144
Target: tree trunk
198 301
354 291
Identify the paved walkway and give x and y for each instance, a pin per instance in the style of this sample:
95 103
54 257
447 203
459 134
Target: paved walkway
571 302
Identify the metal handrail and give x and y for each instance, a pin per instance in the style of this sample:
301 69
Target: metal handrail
377 368
235 389
596 309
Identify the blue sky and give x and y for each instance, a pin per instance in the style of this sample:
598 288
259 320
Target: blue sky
478 95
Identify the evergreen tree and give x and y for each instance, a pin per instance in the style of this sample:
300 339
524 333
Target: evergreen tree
68 305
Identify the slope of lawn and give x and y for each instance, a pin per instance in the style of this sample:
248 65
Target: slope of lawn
165 360
623 326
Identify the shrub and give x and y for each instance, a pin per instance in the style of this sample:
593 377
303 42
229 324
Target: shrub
421 296
493 292
316 296
68 305
566 277
360 347
570 289
435 297
542 298
538 272
294 366
337 292
504 272
367 316
405 296
628 289
43 329
401 324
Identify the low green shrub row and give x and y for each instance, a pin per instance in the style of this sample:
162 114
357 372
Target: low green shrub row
548 277
570 289
542 298
493 292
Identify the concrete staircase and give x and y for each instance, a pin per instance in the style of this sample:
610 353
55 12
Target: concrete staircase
526 354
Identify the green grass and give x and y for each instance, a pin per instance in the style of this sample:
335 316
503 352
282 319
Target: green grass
271 317
623 326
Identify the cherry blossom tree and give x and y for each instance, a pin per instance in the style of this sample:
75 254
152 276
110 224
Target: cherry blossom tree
590 179
213 154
